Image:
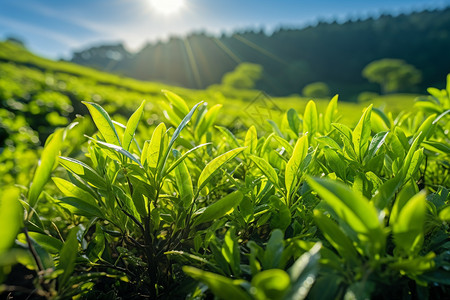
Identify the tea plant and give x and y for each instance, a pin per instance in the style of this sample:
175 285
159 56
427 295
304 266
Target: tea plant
315 209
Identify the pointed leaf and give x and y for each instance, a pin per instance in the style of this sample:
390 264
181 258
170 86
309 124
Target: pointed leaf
221 286
355 210
265 168
82 170
184 182
178 103
118 149
11 214
251 140
67 257
219 208
361 134
156 146
336 237
103 123
293 165
132 125
47 162
310 119
187 118
216 164
330 113
408 228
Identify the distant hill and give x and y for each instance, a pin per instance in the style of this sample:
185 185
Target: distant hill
330 52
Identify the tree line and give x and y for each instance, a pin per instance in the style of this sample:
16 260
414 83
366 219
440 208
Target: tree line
330 52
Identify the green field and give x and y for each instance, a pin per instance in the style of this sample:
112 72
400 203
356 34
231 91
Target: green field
145 190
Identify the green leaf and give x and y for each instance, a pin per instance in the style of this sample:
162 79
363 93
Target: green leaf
187 118
327 141
251 140
330 113
47 162
293 165
408 228
156 146
229 135
183 157
71 190
436 146
219 208
103 123
221 286
230 251
415 265
345 131
180 106
444 214
354 209
265 168
415 163
132 125
407 192
383 120
271 284
426 128
411 152
274 250
438 118
281 215
45 258
216 164
387 191
79 207
139 192
310 119
361 134
275 128
207 121
11 217
326 286
346 137
303 273
49 243
96 245
375 145
336 163
123 127
67 257
285 144
360 290
293 121
118 149
82 170
336 237
184 182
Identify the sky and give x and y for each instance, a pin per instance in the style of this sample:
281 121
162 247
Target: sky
55 28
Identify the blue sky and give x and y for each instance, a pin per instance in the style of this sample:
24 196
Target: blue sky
54 28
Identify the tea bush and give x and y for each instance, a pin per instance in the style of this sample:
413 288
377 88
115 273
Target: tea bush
315 209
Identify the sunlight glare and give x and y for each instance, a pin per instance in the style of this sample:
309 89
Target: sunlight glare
167 7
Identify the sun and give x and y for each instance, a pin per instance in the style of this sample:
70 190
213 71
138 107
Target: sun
167 7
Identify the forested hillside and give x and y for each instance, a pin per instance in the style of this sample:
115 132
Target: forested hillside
334 53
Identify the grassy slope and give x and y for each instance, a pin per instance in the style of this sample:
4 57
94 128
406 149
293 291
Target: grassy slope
115 91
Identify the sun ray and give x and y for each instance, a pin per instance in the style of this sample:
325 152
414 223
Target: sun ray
227 50
192 62
258 48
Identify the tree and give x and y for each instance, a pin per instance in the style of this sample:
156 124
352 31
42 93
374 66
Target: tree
316 90
392 74
244 76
